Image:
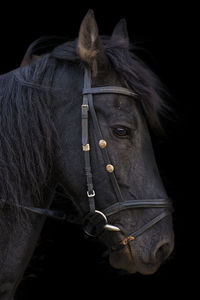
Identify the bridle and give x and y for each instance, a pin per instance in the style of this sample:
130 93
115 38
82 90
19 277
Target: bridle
96 221
121 204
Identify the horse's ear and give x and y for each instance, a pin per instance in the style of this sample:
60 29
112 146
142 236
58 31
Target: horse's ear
89 47
120 32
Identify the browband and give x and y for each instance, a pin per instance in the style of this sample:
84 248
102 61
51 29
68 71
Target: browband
109 90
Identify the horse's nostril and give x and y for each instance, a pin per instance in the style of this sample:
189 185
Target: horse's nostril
162 252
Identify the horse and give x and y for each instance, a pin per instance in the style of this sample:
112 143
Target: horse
79 117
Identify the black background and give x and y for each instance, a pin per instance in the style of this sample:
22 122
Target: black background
64 261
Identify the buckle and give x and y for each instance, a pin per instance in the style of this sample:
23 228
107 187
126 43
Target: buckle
85 106
91 195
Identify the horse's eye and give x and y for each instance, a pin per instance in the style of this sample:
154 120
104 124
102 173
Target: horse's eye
121 131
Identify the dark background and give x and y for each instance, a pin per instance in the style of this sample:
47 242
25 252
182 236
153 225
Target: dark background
64 261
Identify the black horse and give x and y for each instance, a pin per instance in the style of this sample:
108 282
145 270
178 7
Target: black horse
94 142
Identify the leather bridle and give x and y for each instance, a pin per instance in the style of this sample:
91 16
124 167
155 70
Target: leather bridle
96 221
121 204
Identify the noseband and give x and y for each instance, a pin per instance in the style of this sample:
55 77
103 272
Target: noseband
95 217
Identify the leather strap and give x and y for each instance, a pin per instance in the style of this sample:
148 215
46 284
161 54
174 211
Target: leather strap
55 214
150 223
141 230
86 148
104 151
154 203
109 90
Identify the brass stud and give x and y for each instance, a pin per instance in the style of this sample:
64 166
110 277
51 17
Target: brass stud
127 240
86 147
110 168
102 144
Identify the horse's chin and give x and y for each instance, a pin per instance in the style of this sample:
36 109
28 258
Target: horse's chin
124 260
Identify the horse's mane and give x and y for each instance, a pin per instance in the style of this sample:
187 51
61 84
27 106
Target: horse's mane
27 143
27 133
121 54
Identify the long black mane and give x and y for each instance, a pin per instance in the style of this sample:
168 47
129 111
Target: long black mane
27 133
27 139
123 59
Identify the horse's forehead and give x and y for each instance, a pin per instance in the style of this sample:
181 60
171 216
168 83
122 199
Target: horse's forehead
115 103
107 77
114 100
